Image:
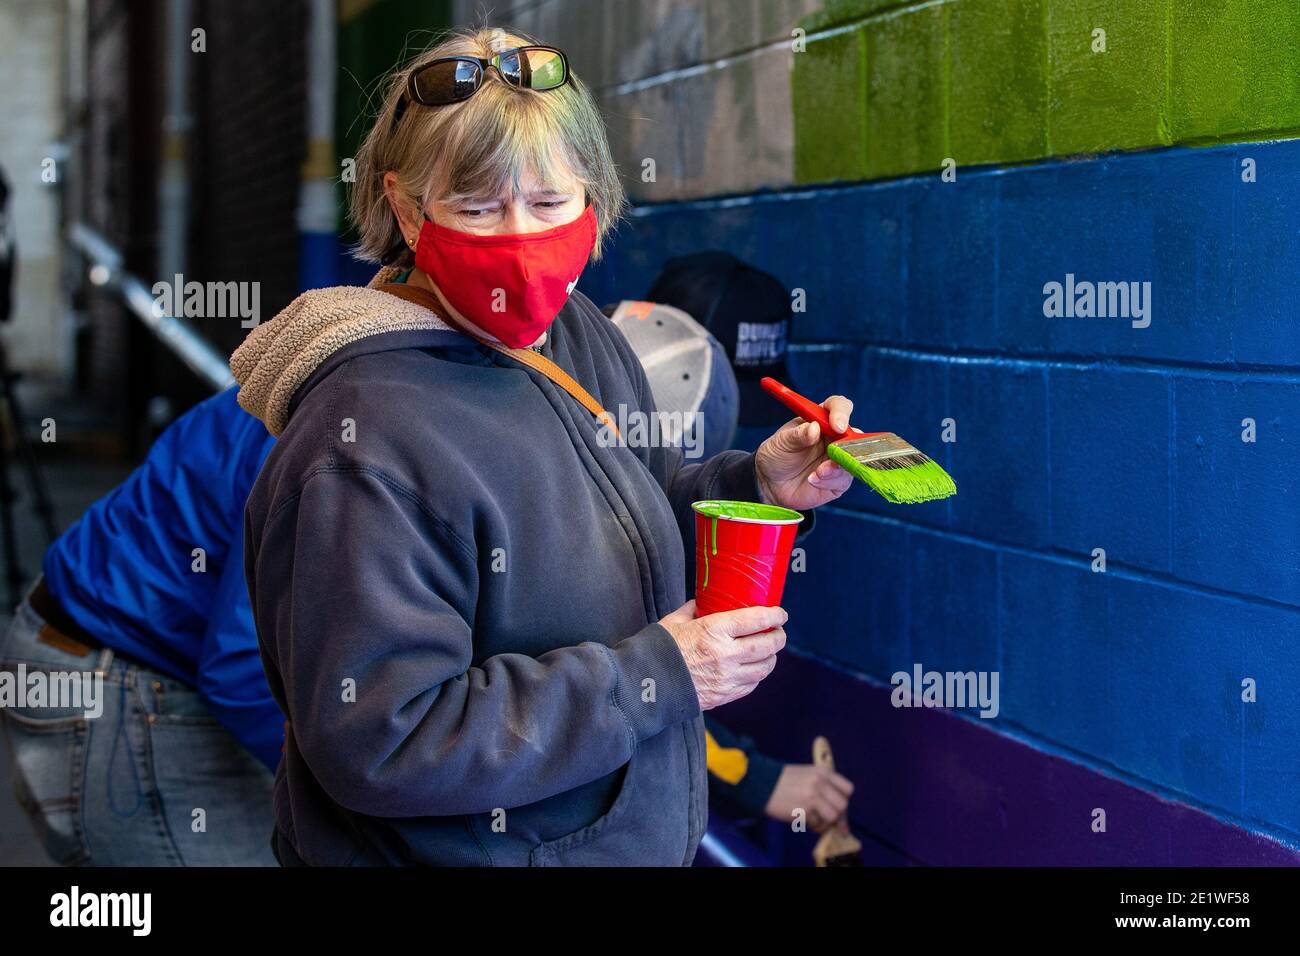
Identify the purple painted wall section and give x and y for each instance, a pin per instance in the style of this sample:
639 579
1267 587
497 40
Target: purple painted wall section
955 791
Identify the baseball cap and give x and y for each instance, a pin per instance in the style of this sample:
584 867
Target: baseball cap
688 371
747 310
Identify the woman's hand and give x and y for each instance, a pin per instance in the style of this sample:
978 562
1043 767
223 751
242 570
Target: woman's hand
820 792
727 653
792 466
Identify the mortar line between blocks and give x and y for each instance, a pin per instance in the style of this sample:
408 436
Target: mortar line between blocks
1070 559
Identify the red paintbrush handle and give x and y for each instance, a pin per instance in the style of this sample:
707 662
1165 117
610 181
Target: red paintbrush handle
808 411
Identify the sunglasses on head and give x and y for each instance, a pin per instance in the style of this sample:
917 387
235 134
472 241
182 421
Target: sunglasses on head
451 79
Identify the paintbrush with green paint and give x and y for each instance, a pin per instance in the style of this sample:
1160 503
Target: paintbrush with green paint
896 470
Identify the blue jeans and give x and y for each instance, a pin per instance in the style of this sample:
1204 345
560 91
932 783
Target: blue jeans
151 780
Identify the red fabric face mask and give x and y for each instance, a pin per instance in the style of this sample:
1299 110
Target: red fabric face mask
511 286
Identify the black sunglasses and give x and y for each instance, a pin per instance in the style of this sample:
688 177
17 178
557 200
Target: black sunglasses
452 79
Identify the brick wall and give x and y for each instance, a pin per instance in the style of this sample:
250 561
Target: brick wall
926 302
715 93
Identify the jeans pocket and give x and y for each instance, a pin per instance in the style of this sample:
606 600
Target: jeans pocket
169 699
216 797
49 762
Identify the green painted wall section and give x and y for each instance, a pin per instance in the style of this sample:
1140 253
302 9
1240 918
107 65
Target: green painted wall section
837 12
1235 67
997 54
1102 101
886 89
830 115
906 92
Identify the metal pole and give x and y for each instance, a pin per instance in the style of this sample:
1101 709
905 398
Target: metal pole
174 175
106 270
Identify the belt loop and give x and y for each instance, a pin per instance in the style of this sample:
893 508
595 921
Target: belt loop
105 659
32 588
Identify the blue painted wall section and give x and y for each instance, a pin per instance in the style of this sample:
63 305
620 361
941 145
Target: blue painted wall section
925 301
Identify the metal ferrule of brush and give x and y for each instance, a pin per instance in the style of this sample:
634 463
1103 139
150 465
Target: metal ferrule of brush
883 451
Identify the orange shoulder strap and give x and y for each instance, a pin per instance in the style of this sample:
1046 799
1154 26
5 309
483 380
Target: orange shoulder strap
534 360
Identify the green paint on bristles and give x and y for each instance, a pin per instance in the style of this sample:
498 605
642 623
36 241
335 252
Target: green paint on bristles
909 485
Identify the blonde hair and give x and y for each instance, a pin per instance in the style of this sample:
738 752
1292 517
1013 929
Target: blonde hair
478 147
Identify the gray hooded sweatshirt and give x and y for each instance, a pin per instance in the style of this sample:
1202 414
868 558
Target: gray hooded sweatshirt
456 586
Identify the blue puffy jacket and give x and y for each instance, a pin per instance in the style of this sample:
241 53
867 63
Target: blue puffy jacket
128 571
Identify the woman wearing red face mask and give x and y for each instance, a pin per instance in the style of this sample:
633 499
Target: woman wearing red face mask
470 601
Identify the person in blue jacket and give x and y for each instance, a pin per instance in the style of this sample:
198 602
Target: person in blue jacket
137 713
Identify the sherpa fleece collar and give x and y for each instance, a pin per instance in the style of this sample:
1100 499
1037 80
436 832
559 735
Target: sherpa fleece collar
278 356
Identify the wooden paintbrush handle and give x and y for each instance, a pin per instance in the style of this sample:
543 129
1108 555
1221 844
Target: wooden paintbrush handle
822 757
838 841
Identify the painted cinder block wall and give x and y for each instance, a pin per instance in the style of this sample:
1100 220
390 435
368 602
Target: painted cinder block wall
1120 690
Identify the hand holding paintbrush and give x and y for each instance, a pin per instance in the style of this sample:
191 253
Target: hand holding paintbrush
792 467
896 470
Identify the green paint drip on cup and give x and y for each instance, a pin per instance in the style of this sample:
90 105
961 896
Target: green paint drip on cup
713 541
713 537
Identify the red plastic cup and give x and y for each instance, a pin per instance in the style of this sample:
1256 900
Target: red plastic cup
742 554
